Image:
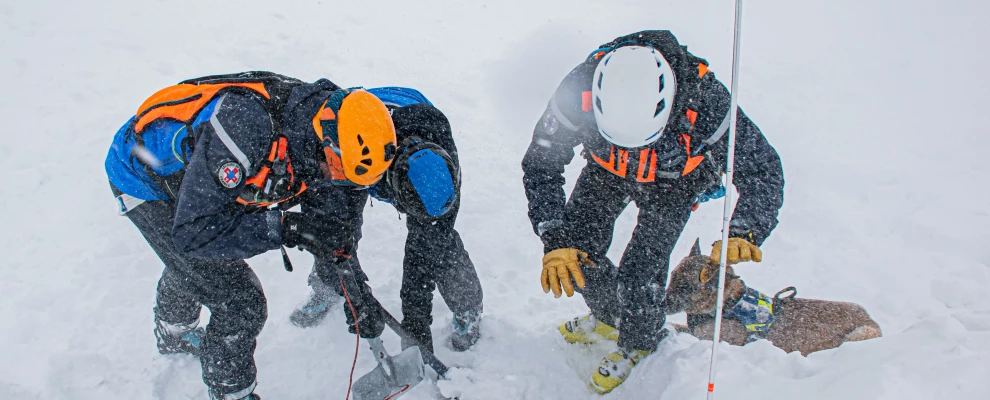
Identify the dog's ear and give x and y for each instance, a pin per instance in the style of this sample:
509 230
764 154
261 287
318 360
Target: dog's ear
696 249
708 272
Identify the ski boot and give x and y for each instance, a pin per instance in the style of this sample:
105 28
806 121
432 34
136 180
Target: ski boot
244 394
587 329
178 338
316 307
466 330
615 368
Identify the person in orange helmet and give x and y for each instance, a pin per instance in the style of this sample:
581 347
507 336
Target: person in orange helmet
423 184
207 169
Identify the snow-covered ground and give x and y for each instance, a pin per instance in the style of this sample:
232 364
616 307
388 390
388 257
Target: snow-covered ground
876 108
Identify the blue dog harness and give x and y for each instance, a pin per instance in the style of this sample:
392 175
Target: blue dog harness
755 310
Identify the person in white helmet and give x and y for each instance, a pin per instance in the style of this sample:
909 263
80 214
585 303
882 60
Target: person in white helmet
653 120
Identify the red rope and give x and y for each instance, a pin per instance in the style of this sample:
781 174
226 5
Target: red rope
357 345
396 394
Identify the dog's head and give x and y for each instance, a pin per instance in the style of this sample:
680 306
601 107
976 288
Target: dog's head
693 286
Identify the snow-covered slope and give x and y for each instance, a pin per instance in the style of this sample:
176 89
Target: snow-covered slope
875 107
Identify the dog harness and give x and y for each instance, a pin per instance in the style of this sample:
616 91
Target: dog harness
755 310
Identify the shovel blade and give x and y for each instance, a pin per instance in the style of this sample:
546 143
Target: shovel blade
382 384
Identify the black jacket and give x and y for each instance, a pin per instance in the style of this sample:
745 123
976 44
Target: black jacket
758 174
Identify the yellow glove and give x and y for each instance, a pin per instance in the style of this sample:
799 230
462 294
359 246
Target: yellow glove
739 250
558 267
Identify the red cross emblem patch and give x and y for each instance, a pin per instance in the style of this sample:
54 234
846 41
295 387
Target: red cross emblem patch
229 174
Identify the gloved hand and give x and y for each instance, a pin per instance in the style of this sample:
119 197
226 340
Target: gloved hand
299 229
370 319
318 236
739 250
558 268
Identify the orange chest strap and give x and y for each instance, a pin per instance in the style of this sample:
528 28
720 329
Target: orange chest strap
692 162
617 161
183 101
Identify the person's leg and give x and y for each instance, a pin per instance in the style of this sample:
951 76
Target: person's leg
325 292
641 281
238 311
435 255
229 288
589 220
176 311
314 309
416 293
642 275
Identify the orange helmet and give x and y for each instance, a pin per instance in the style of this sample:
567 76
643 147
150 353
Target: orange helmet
358 136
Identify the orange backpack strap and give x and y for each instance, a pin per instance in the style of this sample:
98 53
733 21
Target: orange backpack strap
275 181
183 101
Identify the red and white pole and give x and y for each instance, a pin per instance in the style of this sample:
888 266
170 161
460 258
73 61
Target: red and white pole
727 211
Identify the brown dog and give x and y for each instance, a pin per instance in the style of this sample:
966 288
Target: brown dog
802 325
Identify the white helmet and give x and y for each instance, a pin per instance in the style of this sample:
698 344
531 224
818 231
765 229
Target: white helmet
633 92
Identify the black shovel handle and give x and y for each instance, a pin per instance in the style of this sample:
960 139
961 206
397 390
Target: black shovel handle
428 357
346 274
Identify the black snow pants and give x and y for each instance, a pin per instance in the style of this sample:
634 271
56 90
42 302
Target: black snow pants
630 296
228 288
434 258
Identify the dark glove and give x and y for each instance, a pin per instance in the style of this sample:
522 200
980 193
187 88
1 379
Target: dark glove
370 319
323 238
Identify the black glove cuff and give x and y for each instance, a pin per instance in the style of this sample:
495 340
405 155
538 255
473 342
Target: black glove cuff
742 229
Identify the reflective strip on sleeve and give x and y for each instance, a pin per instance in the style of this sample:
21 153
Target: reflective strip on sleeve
225 138
560 116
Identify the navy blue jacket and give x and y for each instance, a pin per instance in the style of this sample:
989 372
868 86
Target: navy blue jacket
191 165
216 153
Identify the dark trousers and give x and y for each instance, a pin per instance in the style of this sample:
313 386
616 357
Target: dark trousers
630 296
228 288
435 258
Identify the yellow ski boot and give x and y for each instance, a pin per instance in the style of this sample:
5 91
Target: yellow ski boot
615 368
587 329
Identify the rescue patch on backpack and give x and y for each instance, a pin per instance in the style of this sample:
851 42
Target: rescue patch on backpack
230 174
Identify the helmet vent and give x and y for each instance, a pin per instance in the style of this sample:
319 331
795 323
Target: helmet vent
359 170
598 103
367 161
361 141
389 152
661 83
600 76
365 151
660 106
